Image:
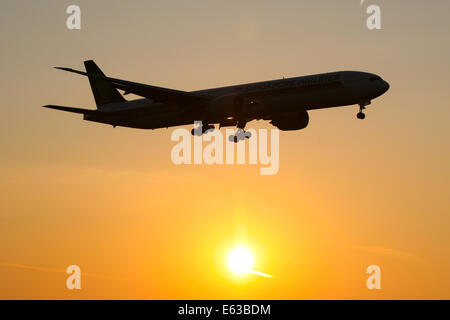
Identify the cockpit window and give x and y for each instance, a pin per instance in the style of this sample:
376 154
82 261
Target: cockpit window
375 78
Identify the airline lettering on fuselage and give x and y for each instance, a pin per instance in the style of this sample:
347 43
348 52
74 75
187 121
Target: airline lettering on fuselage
302 82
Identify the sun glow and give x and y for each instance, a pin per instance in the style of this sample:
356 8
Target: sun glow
240 261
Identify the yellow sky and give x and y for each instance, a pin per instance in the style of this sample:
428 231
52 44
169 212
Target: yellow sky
348 193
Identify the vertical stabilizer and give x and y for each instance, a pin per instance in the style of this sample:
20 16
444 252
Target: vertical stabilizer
103 91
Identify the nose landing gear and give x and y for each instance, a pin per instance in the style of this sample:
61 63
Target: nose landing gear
362 106
360 115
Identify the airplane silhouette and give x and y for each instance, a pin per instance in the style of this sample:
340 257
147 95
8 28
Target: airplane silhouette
285 102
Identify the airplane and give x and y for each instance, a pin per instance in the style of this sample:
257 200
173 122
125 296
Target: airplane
285 102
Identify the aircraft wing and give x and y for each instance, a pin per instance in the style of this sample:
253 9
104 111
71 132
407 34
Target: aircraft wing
71 109
160 94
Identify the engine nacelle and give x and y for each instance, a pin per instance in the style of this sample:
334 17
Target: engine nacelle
226 106
291 121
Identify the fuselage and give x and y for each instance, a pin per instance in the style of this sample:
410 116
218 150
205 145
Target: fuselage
260 100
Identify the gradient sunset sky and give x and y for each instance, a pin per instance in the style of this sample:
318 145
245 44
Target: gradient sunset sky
348 193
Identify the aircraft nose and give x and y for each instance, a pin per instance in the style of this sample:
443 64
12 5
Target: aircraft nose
386 86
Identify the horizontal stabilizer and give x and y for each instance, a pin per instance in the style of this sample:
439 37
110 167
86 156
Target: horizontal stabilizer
70 109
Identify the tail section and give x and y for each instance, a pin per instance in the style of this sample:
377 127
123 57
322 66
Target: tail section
103 92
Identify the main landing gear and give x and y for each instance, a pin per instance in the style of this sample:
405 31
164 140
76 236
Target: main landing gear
241 134
202 130
362 106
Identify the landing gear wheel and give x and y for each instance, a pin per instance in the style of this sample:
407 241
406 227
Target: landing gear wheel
360 115
208 128
196 132
202 130
241 134
235 138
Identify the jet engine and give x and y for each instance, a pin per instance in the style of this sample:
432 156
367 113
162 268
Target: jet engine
291 120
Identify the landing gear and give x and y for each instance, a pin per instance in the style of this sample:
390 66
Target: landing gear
241 134
208 128
202 130
362 106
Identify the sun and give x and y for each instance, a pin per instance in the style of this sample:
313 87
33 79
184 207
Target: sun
240 260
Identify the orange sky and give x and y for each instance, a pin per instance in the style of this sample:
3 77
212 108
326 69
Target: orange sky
348 193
